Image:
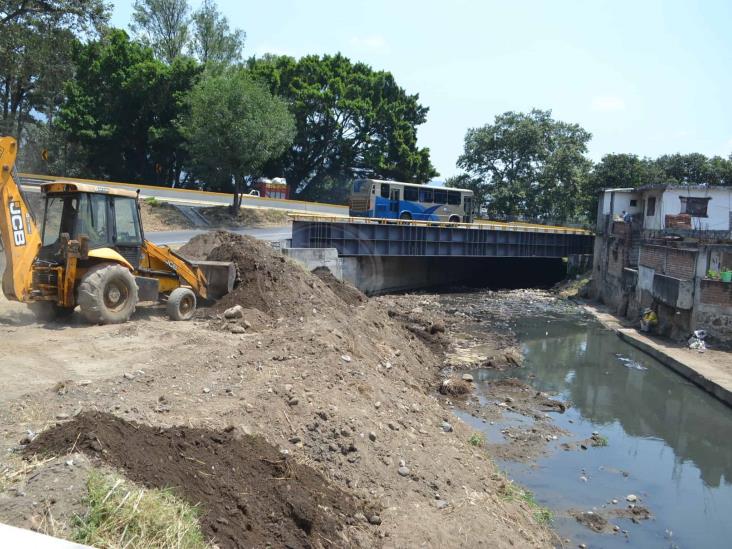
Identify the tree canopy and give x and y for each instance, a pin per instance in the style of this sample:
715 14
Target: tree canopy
528 165
122 107
234 126
162 25
351 121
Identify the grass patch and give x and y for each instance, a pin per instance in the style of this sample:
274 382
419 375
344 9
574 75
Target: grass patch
152 201
121 514
476 439
600 440
510 492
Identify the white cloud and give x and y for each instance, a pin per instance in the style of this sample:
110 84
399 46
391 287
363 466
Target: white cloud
608 103
374 42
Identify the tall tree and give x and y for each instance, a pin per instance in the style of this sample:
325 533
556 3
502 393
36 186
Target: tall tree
36 45
122 107
528 164
212 39
162 25
233 128
351 121
73 14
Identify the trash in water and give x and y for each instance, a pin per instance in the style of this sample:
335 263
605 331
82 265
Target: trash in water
630 363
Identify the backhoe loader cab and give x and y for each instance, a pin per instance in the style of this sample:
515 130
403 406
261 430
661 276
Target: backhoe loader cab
91 252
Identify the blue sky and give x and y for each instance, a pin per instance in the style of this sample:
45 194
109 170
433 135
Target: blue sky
646 77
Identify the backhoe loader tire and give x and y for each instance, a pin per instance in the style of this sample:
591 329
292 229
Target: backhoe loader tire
181 304
47 311
107 294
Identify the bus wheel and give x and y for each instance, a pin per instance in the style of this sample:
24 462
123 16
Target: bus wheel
454 219
405 215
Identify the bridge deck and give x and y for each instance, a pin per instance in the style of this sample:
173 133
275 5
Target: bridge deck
367 237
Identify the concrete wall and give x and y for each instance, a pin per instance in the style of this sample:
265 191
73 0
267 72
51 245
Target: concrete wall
311 258
718 209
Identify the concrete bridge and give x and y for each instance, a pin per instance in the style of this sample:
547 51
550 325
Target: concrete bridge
379 255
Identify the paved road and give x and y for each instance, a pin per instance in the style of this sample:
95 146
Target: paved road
181 237
197 198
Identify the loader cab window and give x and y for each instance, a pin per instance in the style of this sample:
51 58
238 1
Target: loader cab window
59 217
126 221
92 219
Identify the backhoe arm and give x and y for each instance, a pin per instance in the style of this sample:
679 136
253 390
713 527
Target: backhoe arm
162 257
18 230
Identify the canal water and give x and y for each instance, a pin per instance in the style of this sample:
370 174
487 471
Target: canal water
669 443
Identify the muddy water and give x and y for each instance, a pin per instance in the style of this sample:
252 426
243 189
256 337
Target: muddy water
669 443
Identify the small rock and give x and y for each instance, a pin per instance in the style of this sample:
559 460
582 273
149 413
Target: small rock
582 546
360 517
615 501
247 324
293 401
441 504
128 375
62 416
404 471
446 427
236 329
288 388
206 390
346 358
372 436
393 426
438 326
295 440
632 498
375 519
377 404
69 463
237 311
387 365
467 377
402 463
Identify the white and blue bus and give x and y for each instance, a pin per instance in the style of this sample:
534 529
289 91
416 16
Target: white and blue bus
394 200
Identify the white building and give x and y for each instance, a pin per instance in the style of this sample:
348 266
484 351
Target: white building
661 207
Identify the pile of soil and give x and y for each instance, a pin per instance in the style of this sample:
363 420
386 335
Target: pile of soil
249 493
267 280
348 293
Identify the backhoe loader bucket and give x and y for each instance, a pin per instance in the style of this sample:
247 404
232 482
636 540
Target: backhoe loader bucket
220 277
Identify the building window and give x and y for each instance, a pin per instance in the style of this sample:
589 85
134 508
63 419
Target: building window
411 194
633 203
695 207
651 206
385 190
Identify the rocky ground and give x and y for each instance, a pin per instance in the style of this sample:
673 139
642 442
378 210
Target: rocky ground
335 397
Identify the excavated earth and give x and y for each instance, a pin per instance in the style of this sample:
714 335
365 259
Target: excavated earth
250 494
310 419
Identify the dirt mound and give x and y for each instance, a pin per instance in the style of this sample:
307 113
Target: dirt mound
349 294
250 494
198 247
267 280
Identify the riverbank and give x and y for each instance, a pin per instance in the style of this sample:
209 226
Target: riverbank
710 370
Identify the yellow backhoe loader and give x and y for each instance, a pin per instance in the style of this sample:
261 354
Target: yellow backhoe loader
90 251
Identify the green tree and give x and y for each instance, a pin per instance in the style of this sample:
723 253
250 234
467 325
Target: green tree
351 121
71 14
233 128
162 25
122 107
212 39
694 168
36 47
528 164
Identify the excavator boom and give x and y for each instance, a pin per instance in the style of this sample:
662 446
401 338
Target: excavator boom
20 236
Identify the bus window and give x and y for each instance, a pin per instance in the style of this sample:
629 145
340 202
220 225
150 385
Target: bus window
440 197
385 190
425 195
411 194
453 197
